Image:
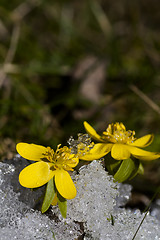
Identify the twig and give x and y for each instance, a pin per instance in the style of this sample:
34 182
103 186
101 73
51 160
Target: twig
24 9
101 17
13 44
17 15
140 224
146 211
11 52
145 98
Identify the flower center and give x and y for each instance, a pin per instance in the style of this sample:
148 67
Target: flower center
61 158
116 132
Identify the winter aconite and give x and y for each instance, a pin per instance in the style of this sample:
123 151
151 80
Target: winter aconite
49 164
52 168
122 143
124 152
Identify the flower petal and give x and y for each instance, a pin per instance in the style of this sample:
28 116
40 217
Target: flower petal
92 132
143 141
36 174
142 154
31 151
120 151
99 150
64 184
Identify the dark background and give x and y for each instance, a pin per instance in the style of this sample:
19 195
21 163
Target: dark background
63 62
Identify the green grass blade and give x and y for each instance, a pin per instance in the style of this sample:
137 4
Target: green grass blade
146 212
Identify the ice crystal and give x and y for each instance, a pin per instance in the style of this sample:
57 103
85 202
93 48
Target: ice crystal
81 145
97 212
18 219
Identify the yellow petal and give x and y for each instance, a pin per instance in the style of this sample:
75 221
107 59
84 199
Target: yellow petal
120 151
36 174
92 132
143 141
142 154
31 151
64 184
55 200
99 150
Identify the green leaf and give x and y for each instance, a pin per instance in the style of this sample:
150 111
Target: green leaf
111 219
141 169
136 168
111 164
125 170
62 204
49 196
54 237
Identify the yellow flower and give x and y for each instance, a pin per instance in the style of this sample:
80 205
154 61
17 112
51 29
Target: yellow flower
49 164
122 143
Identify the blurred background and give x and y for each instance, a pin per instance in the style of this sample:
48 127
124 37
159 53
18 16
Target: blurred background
63 62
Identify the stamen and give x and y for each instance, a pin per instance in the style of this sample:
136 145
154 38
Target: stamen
61 158
117 133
